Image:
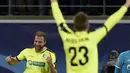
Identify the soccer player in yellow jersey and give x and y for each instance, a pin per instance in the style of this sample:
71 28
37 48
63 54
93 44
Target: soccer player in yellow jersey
80 46
39 59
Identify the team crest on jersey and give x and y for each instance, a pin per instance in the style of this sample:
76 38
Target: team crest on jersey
129 60
44 55
128 67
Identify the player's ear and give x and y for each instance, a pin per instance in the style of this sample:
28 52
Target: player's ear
44 42
88 26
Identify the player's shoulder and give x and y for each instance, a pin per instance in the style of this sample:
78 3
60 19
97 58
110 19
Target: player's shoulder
91 34
93 31
50 51
125 52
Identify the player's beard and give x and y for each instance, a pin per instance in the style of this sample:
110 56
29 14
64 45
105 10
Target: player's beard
38 48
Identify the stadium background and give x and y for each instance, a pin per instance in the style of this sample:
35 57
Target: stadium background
15 36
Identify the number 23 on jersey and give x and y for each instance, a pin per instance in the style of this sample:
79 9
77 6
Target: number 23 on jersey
78 51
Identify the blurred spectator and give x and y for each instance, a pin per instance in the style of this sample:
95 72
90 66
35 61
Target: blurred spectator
112 59
69 10
89 10
4 10
27 10
14 9
45 10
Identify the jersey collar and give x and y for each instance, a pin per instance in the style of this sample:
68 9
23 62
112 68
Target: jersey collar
43 50
81 32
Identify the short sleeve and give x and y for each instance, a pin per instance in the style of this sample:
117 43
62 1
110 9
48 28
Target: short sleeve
53 56
21 55
119 63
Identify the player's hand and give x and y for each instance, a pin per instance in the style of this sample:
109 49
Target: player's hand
49 60
127 4
11 60
53 0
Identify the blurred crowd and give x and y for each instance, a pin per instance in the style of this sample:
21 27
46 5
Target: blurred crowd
68 7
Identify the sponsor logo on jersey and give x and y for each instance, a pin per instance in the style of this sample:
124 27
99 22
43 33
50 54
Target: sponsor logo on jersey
36 63
128 67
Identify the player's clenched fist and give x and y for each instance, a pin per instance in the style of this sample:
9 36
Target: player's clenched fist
127 4
11 60
53 0
49 60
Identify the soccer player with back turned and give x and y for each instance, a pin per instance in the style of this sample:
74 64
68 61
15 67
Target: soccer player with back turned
80 46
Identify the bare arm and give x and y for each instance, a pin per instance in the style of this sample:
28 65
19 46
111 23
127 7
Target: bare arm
51 65
12 60
52 68
111 22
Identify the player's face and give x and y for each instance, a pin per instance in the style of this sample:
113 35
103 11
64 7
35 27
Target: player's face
39 43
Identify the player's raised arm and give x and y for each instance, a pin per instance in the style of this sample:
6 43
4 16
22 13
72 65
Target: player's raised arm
51 62
111 22
57 14
117 16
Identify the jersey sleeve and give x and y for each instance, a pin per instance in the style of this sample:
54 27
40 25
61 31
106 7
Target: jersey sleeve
117 70
53 56
60 21
119 63
21 55
100 33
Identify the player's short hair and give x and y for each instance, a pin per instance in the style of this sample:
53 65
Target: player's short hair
80 21
41 34
113 55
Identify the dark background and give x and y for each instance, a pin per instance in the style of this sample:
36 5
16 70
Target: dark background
92 7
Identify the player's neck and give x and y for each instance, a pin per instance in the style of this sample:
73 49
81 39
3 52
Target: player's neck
82 31
85 30
42 50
